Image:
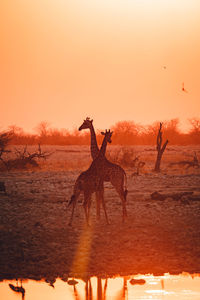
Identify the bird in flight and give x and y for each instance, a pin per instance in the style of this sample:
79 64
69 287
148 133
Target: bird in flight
183 88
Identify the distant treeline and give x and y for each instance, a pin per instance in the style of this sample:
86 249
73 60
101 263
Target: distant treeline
124 133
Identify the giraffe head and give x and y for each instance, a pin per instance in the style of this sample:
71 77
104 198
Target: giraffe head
87 123
107 135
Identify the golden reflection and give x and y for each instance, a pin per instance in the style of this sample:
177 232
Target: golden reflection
18 289
88 290
81 258
170 287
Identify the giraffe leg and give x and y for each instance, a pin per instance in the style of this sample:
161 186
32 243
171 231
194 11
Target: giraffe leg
89 206
121 193
86 205
101 194
86 212
124 209
98 205
73 202
118 184
100 190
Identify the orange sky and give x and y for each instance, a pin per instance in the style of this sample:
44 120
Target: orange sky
63 60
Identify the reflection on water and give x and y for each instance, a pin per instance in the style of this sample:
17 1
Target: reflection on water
167 287
18 289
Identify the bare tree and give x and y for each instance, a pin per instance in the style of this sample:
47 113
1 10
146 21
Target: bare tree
16 130
187 163
195 123
24 158
195 130
160 149
43 129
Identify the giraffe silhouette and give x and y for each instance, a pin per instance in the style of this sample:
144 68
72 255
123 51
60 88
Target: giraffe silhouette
108 172
88 290
94 150
89 182
101 289
18 289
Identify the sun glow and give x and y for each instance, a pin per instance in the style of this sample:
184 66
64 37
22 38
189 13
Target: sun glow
148 7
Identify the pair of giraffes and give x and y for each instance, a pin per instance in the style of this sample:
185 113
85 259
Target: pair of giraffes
100 170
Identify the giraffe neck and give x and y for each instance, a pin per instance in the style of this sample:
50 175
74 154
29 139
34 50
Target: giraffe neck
103 147
93 145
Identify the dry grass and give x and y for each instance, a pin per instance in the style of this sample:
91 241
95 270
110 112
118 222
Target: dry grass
65 158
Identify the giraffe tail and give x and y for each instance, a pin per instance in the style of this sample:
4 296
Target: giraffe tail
72 200
125 186
125 193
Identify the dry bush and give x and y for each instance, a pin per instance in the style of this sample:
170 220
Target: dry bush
23 159
124 156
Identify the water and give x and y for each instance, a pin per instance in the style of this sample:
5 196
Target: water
142 287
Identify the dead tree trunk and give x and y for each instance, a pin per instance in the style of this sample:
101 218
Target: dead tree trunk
160 149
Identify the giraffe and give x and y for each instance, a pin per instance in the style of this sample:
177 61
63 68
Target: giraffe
18 289
89 182
94 149
109 172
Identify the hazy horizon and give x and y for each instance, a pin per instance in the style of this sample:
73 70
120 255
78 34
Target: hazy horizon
50 127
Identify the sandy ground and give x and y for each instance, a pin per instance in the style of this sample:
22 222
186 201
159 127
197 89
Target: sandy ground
159 236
